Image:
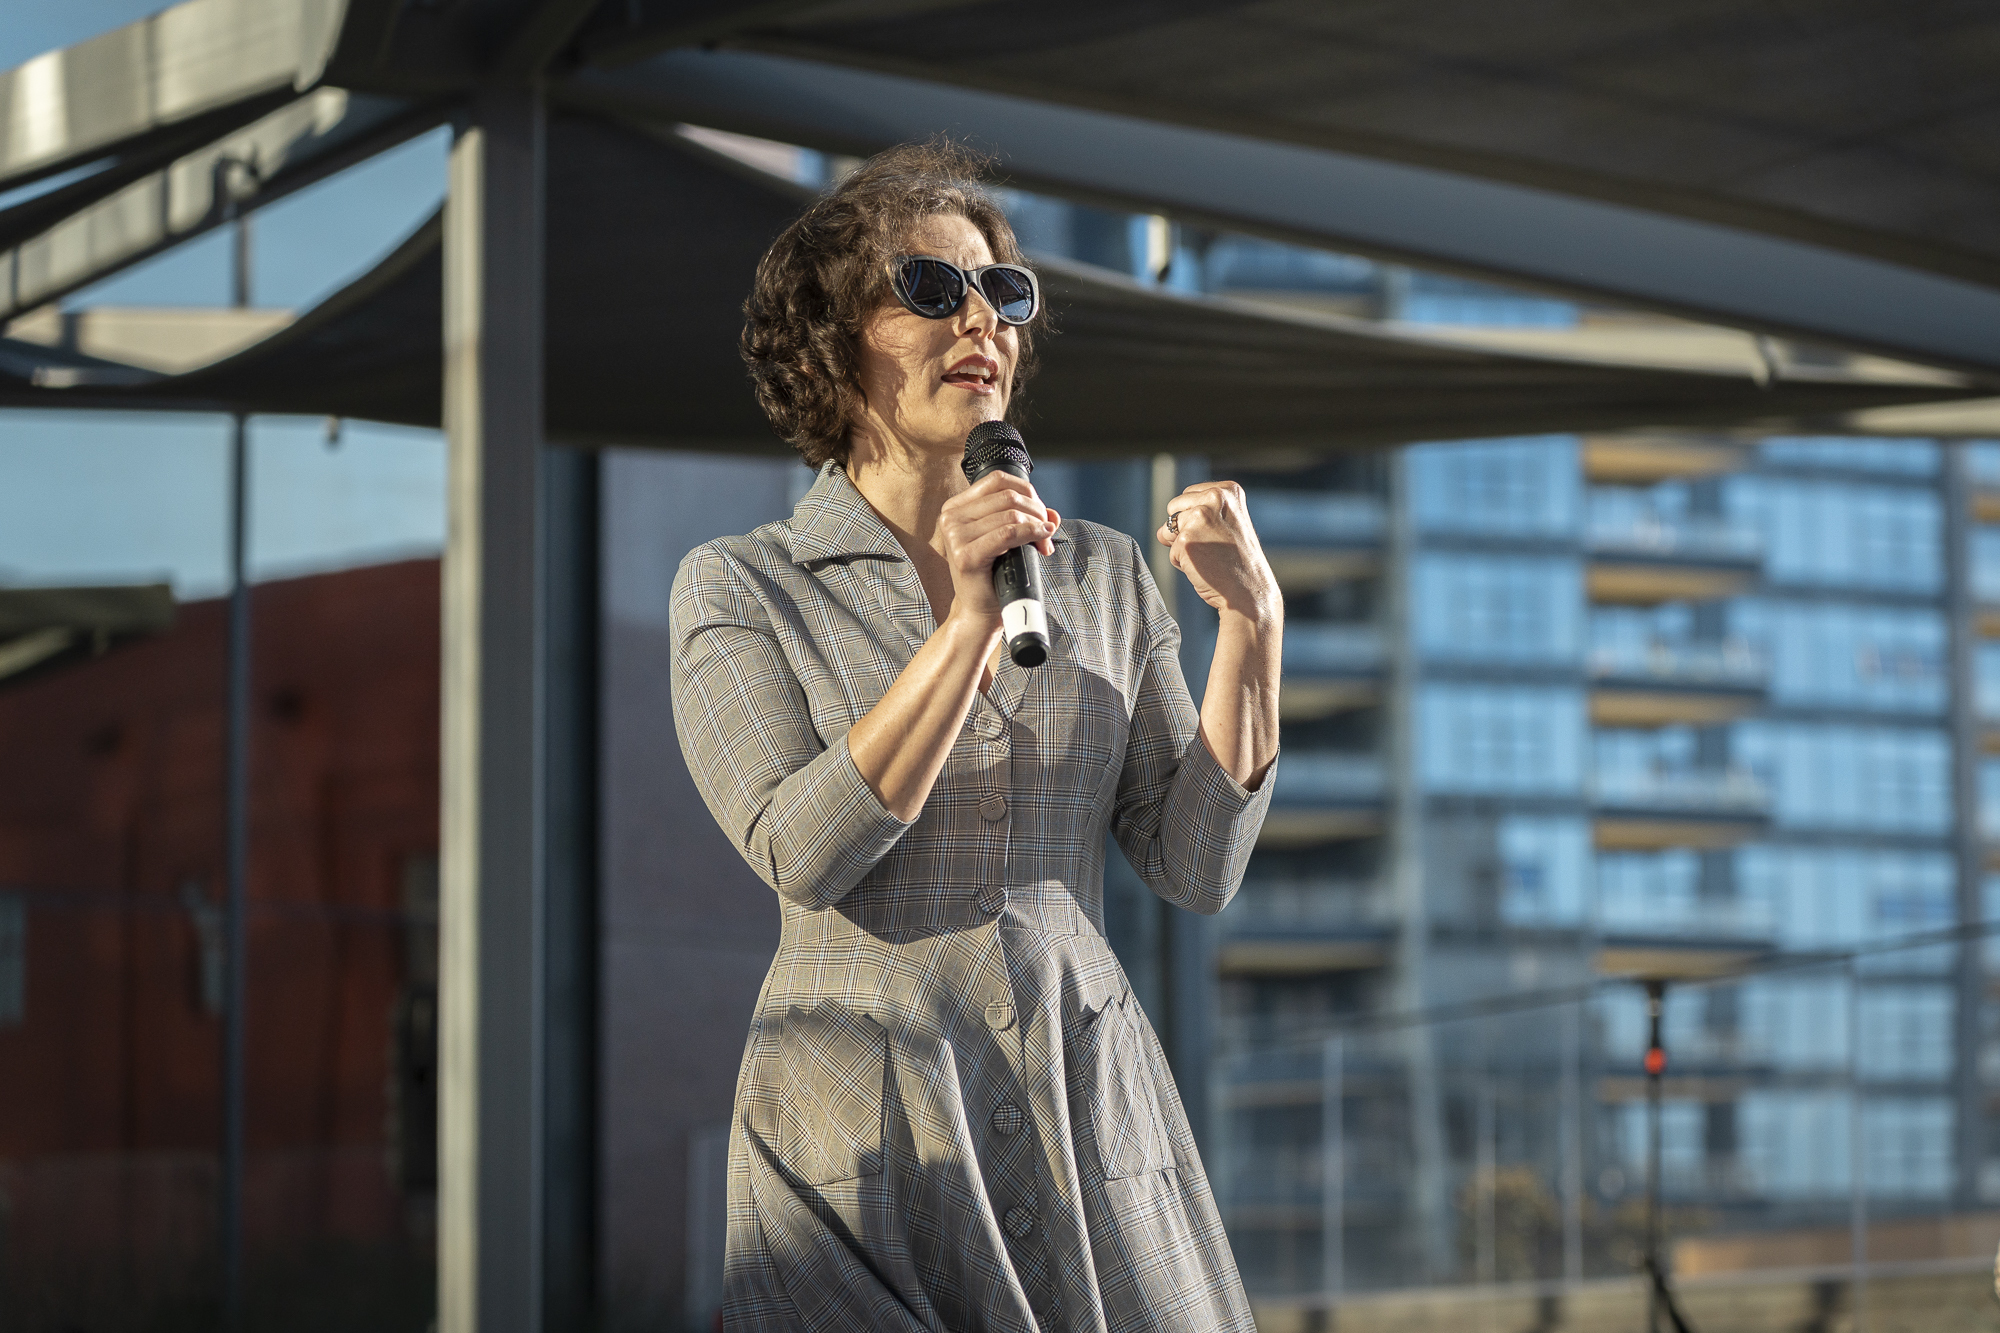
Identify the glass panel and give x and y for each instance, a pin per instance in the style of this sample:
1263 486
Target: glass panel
1499 608
1479 738
1521 487
1835 534
1852 776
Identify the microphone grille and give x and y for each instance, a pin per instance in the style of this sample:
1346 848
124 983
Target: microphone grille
991 444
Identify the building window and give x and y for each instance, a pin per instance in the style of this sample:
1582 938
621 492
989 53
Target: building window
1683 1141
1838 897
1499 608
1987 666
1906 1146
1883 779
1985 552
1545 866
1908 458
1905 1032
13 959
1521 487
1989 796
1841 534
1850 656
1797 1145
1481 739
1795 1024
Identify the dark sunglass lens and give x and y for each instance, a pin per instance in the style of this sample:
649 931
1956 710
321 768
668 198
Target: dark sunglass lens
1011 292
932 289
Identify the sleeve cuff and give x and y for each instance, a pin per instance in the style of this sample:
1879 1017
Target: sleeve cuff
1216 786
868 828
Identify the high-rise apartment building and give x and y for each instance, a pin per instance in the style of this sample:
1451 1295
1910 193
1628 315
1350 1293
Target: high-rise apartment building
1568 709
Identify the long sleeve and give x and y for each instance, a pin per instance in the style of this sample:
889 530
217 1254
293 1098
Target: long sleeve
795 805
1187 827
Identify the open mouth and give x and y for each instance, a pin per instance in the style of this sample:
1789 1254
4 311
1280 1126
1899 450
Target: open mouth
975 372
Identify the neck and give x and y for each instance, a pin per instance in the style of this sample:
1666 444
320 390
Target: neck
906 487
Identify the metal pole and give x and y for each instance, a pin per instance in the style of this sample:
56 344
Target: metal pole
1656 1065
1572 1143
1857 1278
1333 1168
492 881
236 780
1968 838
1486 1168
1432 1187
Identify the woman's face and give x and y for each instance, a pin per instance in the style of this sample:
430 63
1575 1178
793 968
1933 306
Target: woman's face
930 381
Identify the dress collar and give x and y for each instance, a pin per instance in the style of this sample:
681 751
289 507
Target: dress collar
835 520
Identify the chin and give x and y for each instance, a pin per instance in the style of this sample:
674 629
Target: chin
952 429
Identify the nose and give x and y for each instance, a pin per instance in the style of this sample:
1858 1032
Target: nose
976 313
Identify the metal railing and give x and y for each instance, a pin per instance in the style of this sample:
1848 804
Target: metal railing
1308 905
1731 663
1330 649
1650 535
1647 912
1312 777
1719 791
1305 518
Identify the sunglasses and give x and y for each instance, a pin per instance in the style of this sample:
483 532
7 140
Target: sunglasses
936 288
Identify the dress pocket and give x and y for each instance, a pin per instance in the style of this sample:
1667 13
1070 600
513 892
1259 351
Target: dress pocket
834 1062
1114 1091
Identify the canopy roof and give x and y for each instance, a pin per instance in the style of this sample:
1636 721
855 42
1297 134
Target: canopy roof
1826 174
644 304
1871 125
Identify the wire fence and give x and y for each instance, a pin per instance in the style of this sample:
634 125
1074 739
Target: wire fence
1808 1123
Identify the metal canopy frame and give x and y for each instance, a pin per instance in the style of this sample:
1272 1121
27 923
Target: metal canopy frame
641 348
1322 197
171 125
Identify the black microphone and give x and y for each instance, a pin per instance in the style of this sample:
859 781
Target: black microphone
995 446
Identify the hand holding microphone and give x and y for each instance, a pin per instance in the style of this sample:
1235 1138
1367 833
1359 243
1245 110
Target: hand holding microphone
994 446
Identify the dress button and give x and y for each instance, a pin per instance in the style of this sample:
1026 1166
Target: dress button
1020 1222
999 1015
1007 1119
993 807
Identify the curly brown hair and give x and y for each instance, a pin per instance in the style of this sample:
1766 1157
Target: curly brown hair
828 272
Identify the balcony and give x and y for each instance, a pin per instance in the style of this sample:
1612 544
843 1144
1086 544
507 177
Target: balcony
1645 913
1324 796
1313 539
1317 518
1330 668
1659 684
1645 560
1643 460
1640 809
1982 468
1306 927
1264 906
1644 933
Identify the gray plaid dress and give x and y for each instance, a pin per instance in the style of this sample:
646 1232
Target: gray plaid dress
952 1114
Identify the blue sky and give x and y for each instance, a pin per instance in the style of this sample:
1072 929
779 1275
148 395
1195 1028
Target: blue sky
114 497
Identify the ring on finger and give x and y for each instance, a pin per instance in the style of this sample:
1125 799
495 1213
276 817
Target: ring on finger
1173 521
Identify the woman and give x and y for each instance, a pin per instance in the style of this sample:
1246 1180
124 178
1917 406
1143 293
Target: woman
951 1114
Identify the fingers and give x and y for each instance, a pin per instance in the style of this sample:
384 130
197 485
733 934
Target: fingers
1205 505
974 542
996 515
1047 545
995 482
